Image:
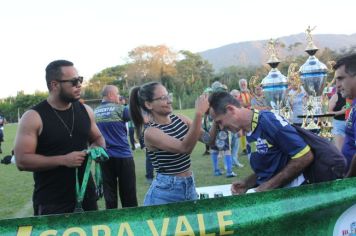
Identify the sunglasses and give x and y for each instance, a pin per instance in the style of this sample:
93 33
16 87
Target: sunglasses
165 98
75 81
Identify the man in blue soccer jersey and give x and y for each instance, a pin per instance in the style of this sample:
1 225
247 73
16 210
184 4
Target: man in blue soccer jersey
345 71
278 155
119 170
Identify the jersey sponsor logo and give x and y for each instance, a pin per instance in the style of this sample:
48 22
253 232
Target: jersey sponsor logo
261 146
281 120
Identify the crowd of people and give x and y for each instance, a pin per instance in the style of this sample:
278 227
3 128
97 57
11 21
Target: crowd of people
53 139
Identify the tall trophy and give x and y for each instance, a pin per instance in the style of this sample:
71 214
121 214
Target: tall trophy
313 74
275 84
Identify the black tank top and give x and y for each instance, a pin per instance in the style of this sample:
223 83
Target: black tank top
338 106
58 185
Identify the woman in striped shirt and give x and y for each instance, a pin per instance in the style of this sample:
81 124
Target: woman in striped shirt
169 140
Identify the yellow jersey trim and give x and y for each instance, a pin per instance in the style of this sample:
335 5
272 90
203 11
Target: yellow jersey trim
301 153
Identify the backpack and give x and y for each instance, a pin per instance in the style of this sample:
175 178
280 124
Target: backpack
328 164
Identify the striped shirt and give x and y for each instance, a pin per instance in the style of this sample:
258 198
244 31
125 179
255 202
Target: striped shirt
166 162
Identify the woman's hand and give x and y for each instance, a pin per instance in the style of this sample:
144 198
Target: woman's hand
202 104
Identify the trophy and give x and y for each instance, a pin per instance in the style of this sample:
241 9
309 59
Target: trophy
313 74
275 84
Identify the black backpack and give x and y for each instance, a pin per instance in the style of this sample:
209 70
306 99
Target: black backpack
328 164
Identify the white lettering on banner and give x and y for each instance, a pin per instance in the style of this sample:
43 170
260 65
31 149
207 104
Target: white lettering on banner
183 226
346 224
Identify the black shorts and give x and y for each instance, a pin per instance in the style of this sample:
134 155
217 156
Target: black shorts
61 208
1 136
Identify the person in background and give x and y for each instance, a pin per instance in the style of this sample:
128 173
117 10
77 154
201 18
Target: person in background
345 73
169 140
130 125
220 145
245 93
119 170
235 137
296 97
245 99
258 101
207 123
278 155
337 106
50 141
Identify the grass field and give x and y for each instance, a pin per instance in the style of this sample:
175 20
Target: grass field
16 186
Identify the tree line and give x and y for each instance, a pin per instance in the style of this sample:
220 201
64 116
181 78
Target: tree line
184 73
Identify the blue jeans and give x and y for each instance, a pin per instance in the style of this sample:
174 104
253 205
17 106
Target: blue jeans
170 188
235 143
339 127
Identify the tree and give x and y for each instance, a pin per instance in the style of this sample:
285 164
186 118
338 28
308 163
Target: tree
150 63
113 75
193 75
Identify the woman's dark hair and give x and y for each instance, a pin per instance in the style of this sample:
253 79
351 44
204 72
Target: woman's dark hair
138 96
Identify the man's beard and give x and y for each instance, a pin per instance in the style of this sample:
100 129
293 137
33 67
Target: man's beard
65 98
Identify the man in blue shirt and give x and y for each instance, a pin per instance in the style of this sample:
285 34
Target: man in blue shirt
278 155
119 170
345 71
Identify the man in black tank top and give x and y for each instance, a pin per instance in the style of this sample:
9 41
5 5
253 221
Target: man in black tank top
50 141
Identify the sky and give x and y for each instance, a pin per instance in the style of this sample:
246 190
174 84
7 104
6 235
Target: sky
97 34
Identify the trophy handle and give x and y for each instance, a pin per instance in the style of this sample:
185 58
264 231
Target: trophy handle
330 66
253 83
330 70
293 76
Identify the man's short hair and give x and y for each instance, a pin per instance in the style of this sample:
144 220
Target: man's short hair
54 70
349 62
219 100
235 92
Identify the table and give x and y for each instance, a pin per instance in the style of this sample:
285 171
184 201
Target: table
224 189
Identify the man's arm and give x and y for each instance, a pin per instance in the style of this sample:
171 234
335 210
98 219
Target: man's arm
30 127
292 170
241 186
96 139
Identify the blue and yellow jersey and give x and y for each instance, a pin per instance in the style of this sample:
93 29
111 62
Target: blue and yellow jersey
272 142
349 147
111 119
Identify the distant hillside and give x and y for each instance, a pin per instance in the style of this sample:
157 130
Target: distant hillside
255 53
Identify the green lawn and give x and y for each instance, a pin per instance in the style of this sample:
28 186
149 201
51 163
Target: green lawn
17 186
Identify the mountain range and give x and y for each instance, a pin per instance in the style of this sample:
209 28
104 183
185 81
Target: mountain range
252 53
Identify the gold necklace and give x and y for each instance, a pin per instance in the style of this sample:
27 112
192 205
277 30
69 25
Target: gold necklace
70 131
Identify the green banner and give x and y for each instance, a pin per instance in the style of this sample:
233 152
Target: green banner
320 209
